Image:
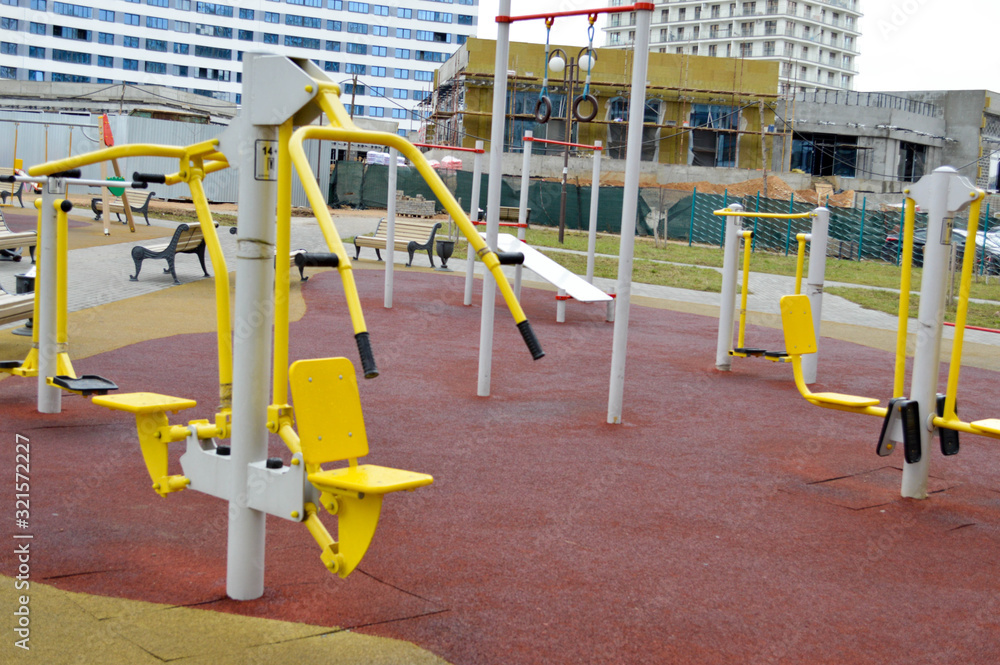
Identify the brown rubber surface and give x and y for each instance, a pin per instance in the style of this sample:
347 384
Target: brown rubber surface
727 521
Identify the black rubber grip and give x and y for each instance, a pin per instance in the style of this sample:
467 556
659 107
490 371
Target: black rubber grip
317 260
367 358
529 338
510 258
149 177
72 173
138 184
7 178
66 205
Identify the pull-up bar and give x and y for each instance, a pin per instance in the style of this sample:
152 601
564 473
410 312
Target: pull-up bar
596 146
726 212
457 148
639 6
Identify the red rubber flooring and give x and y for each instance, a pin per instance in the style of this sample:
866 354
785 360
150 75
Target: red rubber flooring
727 521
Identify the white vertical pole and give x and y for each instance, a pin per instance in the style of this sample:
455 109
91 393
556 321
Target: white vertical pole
522 213
470 259
727 302
49 397
814 285
390 229
561 306
636 113
942 193
493 197
595 188
252 323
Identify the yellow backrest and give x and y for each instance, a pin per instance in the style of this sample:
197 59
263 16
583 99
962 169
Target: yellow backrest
327 407
797 322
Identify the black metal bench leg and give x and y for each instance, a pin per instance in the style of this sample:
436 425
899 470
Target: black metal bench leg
378 255
170 269
137 257
201 257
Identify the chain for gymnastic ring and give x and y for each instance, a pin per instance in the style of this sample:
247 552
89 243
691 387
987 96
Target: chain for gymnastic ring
543 107
586 96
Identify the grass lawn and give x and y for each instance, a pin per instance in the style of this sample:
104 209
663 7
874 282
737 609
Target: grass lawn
984 315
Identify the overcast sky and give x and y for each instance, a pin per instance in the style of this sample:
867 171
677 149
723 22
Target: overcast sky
905 44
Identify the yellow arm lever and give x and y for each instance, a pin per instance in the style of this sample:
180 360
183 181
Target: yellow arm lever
106 154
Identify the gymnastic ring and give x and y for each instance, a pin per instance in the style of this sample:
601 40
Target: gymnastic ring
543 110
576 108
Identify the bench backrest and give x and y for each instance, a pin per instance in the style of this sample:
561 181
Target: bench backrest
188 238
328 413
406 230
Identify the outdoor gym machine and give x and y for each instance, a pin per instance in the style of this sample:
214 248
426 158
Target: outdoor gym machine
913 420
643 13
734 233
49 358
280 94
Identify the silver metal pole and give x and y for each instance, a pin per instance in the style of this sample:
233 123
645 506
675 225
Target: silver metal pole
252 324
390 229
49 397
942 193
470 259
493 197
814 285
595 188
727 303
636 113
522 213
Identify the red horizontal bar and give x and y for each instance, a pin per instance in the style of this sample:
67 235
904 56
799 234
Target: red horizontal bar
572 145
457 148
639 6
992 330
515 224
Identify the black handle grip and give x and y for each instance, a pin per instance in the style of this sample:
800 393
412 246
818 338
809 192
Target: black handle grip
7 178
367 358
317 260
72 173
510 258
150 177
139 185
66 205
529 338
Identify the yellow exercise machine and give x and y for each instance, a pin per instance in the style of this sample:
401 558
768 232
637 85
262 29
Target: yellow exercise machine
323 422
915 419
734 234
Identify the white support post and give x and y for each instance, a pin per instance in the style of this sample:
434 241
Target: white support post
470 259
49 397
727 303
630 200
609 316
522 212
561 306
942 193
252 324
493 198
595 188
390 228
814 285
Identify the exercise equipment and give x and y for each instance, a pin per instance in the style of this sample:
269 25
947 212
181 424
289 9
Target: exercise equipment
734 234
912 420
543 107
280 94
643 15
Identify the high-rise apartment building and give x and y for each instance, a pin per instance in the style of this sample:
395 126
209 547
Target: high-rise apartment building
198 46
816 41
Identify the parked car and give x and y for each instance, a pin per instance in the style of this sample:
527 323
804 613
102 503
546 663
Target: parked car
991 247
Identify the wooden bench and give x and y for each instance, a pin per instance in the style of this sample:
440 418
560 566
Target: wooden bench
117 206
15 307
186 240
10 240
10 189
409 235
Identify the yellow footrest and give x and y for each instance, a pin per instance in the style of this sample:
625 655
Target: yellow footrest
841 399
989 426
369 479
144 402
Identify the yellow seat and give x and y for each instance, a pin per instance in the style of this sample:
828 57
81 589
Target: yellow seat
144 402
331 428
800 339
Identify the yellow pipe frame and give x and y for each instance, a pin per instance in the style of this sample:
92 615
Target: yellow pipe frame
726 212
800 261
64 367
283 242
741 337
909 220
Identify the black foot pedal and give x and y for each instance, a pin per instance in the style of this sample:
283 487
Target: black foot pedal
776 356
86 385
750 351
948 437
10 364
885 444
910 413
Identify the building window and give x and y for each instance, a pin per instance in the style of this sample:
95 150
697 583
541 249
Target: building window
401 73
712 50
400 93
302 42
403 33
246 14
11 24
358 7
306 3
130 64
246 35
380 10
331 66
270 38
182 26
105 61
8 48
380 31
180 70
106 38
403 53
399 114
8 72
71 33
335 4
380 51
36 52
378 71
334 25
376 111
746 49
423 76
212 74
158 3
131 19
156 67
404 13
70 78
359 49
35 28
105 15
437 17
710 147
272 17
332 46
464 19
303 21
213 52
130 42
67 9
352 68
213 30
182 49
768 48
215 9
156 45
37 5
358 28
